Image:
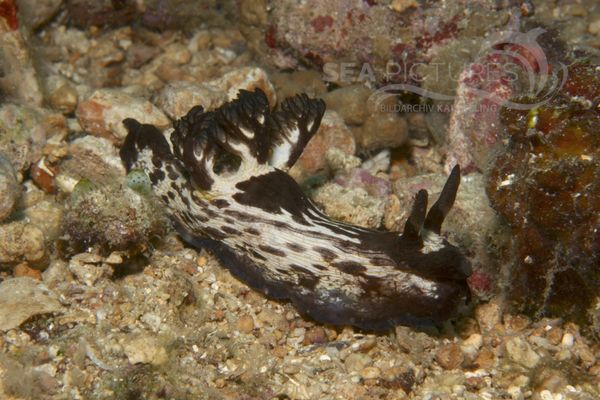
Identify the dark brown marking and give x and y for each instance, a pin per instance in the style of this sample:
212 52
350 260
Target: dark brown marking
199 217
220 203
320 267
229 230
271 250
380 261
171 173
252 231
156 175
164 198
305 277
229 221
213 233
350 267
171 195
274 192
240 215
327 254
257 255
295 247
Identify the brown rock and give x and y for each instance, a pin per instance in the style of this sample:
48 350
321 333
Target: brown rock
381 130
485 359
23 269
245 324
449 356
315 335
488 315
64 99
350 103
20 242
332 133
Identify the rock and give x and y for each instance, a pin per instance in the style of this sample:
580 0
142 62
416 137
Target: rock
520 352
291 83
93 158
316 335
245 324
145 349
377 187
356 362
381 130
567 340
488 315
25 270
10 190
36 13
22 133
18 80
111 217
20 241
594 27
485 359
370 373
177 98
87 268
449 356
64 98
332 134
102 114
22 298
352 205
247 78
350 103
47 216
43 174
471 345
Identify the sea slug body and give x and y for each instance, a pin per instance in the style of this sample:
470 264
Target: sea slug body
222 176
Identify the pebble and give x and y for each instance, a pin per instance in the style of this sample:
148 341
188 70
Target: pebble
381 130
245 324
352 205
177 98
36 13
370 373
594 27
145 349
471 345
449 356
23 269
64 99
247 78
520 351
102 114
23 297
356 362
10 190
350 103
488 315
567 340
332 134
21 241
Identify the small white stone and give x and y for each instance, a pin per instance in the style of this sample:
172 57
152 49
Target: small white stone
567 340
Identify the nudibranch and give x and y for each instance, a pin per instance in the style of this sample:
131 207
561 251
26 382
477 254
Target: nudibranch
222 177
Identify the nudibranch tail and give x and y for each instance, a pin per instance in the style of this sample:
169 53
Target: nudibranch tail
221 175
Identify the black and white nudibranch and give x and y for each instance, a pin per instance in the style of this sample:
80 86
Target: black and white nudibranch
222 176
